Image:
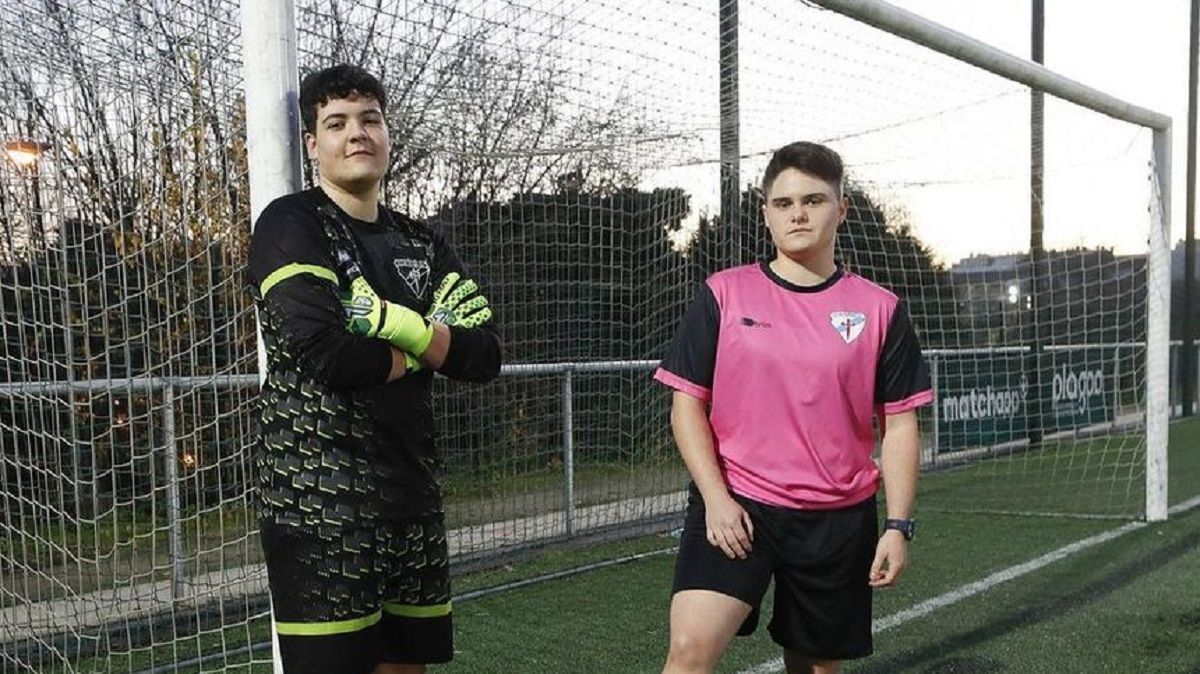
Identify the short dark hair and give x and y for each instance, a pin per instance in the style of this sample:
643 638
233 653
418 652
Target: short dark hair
340 81
811 158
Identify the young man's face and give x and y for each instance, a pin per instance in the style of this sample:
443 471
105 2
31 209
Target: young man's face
803 212
350 144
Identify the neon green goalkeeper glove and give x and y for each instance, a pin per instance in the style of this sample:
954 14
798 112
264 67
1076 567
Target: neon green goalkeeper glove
371 316
451 305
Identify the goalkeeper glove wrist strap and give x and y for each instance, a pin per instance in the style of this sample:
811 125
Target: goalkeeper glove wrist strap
426 339
398 328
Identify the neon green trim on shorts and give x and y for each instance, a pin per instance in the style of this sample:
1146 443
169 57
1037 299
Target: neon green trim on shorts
415 611
295 269
333 627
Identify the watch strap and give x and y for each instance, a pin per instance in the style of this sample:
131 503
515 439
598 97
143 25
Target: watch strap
907 527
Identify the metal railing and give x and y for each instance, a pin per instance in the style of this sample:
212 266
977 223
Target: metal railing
172 387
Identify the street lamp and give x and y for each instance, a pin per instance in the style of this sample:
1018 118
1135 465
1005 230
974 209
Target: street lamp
26 156
25 153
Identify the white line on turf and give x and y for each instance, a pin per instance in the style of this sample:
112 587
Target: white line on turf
971 589
573 571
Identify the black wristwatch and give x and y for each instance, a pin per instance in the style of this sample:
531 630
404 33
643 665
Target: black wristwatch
906 527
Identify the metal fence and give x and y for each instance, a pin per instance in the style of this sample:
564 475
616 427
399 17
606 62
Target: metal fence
933 454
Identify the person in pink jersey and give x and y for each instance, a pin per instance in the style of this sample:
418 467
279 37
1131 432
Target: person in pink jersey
778 370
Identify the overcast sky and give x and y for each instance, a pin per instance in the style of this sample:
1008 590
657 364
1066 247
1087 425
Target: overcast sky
946 143
1136 51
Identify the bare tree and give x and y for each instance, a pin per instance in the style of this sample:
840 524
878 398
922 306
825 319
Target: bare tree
477 109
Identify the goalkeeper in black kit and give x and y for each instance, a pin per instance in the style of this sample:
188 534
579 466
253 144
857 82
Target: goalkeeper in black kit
359 306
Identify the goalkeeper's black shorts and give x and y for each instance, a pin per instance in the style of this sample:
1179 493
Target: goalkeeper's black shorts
349 598
820 560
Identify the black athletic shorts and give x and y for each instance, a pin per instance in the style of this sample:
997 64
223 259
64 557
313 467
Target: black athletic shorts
348 598
820 560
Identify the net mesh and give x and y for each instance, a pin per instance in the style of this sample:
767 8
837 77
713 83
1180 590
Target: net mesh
571 152
532 133
1038 359
125 331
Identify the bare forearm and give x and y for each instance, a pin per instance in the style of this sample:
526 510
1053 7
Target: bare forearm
901 461
693 436
434 356
398 364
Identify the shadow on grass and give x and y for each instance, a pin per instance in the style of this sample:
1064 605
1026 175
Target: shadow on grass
944 651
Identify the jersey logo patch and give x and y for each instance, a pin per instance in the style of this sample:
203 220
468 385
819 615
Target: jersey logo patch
849 324
415 273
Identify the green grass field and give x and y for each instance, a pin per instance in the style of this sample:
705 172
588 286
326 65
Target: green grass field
1131 604
1128 605
1101 476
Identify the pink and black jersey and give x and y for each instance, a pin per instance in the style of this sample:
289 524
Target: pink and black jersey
794 375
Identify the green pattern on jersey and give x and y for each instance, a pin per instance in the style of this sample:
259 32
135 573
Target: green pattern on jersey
321 461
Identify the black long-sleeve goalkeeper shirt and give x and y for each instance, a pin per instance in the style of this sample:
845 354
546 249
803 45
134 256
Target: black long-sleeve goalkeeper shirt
339 444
